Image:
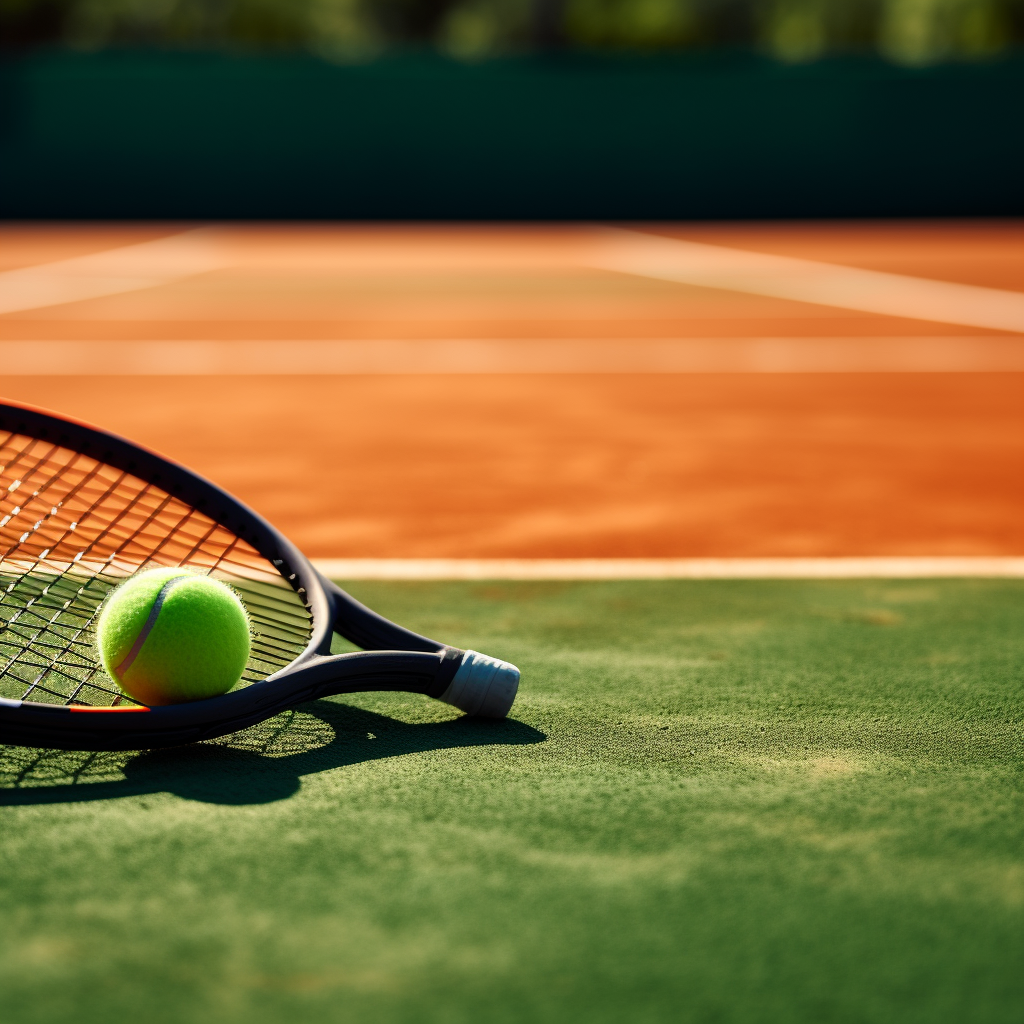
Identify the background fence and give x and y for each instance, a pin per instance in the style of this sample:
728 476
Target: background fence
569 135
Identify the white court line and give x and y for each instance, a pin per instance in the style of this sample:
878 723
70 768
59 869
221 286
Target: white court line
827 284
127 268
148 264
667 568
681 355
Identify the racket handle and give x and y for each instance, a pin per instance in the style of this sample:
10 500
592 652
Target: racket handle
483 686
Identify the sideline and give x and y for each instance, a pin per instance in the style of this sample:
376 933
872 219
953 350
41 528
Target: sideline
802 280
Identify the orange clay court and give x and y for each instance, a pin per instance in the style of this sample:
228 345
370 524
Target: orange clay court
552 391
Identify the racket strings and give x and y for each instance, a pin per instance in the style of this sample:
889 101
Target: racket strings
73 528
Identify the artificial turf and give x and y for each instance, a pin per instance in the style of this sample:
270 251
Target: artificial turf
715 802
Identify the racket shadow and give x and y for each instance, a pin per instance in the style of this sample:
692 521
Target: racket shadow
266 763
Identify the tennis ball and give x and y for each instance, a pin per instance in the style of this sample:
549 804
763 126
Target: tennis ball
168 636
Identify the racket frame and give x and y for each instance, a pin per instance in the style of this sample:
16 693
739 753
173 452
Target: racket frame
393 658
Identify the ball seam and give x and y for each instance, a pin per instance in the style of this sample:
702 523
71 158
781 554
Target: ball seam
147 628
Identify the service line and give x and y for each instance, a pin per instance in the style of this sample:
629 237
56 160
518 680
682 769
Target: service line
986 354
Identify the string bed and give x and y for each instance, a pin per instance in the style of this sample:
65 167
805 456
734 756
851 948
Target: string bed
72 529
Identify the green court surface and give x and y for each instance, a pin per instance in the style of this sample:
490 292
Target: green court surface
716 802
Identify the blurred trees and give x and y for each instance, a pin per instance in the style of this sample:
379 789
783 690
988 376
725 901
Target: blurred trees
906 31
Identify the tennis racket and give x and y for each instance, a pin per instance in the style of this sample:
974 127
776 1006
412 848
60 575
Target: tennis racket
81 510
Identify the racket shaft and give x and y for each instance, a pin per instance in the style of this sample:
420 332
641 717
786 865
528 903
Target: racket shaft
366 629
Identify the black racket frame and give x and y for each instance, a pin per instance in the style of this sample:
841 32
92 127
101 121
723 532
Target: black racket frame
392 657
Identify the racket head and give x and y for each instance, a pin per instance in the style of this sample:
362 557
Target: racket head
80 511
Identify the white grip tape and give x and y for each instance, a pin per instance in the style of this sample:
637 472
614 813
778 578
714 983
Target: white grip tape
483 686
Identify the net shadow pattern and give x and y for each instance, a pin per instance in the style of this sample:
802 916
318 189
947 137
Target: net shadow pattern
71 530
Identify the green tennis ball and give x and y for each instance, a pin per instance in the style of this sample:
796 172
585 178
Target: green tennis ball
167 636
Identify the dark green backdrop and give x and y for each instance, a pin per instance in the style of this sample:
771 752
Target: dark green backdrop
185 135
